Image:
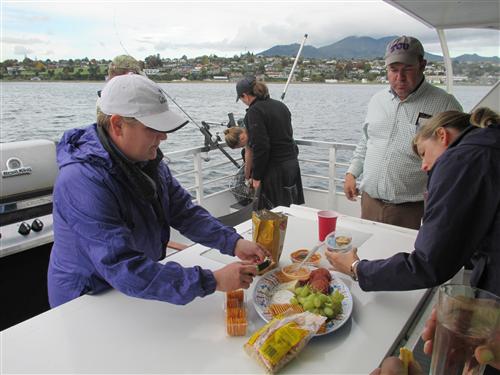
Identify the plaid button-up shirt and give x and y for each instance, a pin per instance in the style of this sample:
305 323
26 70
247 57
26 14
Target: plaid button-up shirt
384 158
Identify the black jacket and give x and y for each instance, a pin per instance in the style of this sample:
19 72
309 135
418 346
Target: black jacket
270 133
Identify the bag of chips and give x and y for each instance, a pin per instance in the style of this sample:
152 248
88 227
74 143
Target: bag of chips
282 339
269 229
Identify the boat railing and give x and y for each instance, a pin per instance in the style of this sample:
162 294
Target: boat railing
323 165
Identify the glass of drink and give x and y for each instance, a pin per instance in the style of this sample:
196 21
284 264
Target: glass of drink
327 222
466 318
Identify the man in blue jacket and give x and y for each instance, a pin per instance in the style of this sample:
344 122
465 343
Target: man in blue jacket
115 201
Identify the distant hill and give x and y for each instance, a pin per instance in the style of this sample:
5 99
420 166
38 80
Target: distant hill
357 47
354 47
476 58
309 52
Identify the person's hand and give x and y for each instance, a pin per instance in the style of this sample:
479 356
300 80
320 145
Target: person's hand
250 251
342 262
485 354
255 184
429 330
394 366
235 276
350 189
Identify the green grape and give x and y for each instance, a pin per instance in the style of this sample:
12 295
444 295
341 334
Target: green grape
328 312
305 291
308 306
310 298
317 301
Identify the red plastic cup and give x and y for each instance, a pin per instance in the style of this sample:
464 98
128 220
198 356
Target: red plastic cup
327 222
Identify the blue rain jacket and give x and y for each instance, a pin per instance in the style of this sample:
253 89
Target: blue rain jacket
105 237
461 222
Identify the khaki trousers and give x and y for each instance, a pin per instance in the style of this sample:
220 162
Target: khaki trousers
408 215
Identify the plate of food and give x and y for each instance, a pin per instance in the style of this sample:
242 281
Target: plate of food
323 294
339 241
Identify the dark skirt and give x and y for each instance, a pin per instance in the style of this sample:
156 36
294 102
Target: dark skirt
282 185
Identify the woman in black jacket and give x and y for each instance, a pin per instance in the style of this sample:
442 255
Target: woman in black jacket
274 152
461 221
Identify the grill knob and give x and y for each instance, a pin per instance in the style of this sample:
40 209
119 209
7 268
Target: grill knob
24 228
37 225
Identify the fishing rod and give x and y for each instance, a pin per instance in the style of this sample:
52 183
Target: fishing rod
211 141
293 67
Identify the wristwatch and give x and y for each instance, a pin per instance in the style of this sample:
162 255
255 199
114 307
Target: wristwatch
354 274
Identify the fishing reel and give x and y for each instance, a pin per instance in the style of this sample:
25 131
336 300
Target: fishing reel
213 141
232 123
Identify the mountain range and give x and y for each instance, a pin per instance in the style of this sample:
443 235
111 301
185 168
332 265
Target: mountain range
354 47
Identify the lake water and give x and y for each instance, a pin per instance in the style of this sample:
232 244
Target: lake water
326 112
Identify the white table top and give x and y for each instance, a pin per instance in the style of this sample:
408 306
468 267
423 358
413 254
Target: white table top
111 332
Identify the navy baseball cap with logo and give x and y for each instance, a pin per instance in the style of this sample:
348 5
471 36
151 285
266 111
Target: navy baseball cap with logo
244 86
404 49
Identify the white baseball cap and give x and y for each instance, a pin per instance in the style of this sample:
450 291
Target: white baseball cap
133 95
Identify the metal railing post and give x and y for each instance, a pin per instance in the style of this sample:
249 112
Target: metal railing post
198 178
332 172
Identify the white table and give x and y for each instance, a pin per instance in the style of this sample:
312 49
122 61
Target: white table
114 333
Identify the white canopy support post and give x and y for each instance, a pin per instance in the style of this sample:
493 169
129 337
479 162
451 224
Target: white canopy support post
447 60
293 67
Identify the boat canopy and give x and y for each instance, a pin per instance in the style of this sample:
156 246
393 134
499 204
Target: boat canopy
452 14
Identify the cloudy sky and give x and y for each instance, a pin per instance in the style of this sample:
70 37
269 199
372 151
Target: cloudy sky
103 29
